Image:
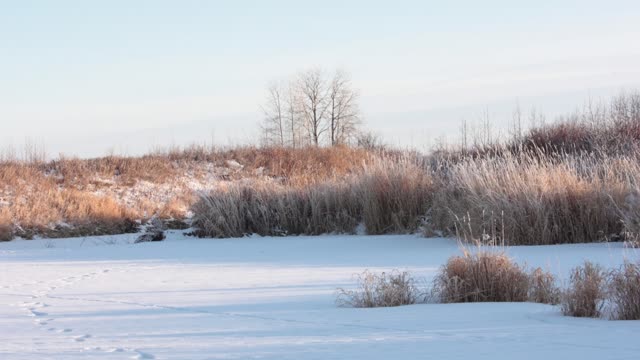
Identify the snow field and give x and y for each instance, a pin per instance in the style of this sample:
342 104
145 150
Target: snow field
273 298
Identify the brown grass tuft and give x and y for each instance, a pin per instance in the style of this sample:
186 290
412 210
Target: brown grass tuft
482 276
543 287
624 292
586 293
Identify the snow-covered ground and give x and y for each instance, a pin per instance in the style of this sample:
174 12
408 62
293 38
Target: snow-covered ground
273 298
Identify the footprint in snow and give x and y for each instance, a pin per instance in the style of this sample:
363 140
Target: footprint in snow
32 304
35 313
143 355
82 338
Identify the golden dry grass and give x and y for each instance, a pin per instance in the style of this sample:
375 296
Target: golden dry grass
624 292
386 197
74 197
481 276
587 293
536 201
489 275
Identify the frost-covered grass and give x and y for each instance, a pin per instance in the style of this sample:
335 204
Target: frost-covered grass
78 197
273 298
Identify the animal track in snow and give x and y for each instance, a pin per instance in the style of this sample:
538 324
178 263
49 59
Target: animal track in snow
142 355
33 312
82 338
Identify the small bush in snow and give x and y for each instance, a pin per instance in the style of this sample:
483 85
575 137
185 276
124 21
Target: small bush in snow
380 290
624 292
153 232
483 276
543 287
586 293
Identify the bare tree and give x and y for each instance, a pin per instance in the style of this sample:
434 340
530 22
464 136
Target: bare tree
516 125
464 135
292 116
311 109
343 115
312 86
274 116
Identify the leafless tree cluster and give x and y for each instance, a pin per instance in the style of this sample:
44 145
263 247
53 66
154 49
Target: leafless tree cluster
312 108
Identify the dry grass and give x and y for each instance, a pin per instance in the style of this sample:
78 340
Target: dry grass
482 276
292 166
75 197
265 208
389 197
624 292
6 227
573 181
380 290
543 287
587 293
533 201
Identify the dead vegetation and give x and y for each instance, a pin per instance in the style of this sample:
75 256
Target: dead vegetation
586 293
543 287
386 197
532 201
572 181
78 197
492 276
396 288
624 292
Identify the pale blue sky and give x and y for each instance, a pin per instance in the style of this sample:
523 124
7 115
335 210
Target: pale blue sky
84 77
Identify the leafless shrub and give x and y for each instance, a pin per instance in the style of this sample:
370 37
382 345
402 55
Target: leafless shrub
586 293
482 276
624 292
380 290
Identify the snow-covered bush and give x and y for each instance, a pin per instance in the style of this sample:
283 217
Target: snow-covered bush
154 231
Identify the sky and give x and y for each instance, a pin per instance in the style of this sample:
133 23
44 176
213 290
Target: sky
84 78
